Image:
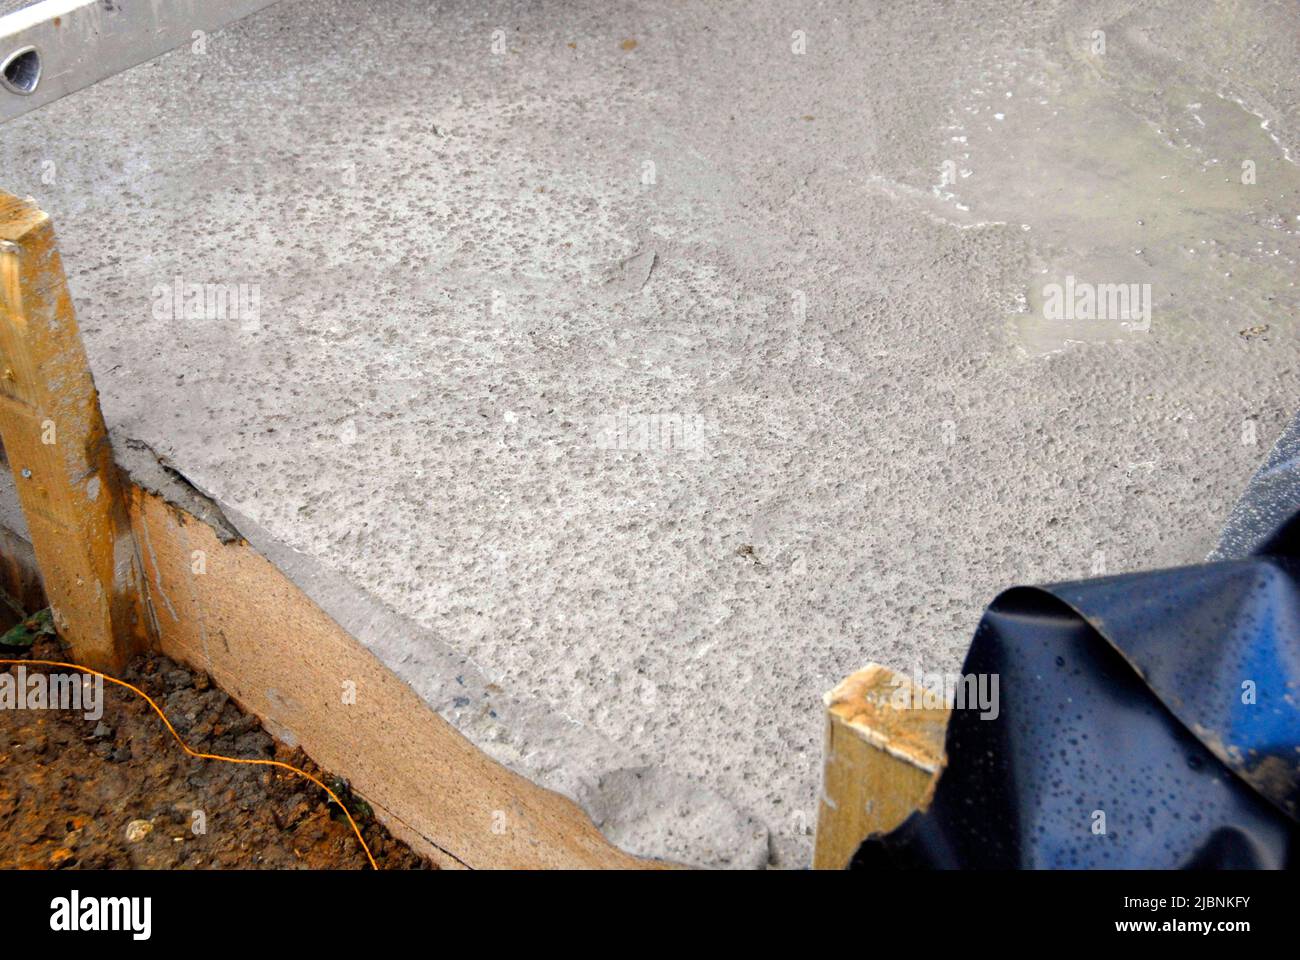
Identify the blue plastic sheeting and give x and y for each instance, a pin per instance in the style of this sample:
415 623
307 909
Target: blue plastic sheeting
1146 720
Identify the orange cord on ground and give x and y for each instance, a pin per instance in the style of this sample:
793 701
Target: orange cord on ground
209 756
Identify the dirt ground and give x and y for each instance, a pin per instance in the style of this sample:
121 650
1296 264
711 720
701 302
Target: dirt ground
118 791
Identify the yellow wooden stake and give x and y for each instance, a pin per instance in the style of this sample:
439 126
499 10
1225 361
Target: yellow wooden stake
58 448
883 756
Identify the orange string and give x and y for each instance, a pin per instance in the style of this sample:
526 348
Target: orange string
209 756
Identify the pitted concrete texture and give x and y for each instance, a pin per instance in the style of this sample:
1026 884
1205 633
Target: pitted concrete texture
625 374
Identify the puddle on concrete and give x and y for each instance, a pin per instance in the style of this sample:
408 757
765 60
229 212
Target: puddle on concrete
1127 184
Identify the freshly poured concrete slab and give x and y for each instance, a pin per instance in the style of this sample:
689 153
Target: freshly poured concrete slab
626 374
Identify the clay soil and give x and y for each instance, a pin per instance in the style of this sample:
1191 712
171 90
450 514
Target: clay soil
118 792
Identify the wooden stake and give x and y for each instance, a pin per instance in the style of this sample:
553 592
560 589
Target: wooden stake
57 445
882 761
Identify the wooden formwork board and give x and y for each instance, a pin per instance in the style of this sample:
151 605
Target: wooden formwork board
223 608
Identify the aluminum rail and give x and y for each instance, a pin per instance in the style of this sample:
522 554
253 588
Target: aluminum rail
56 47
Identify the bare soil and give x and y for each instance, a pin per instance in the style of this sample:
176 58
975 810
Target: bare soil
118 792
